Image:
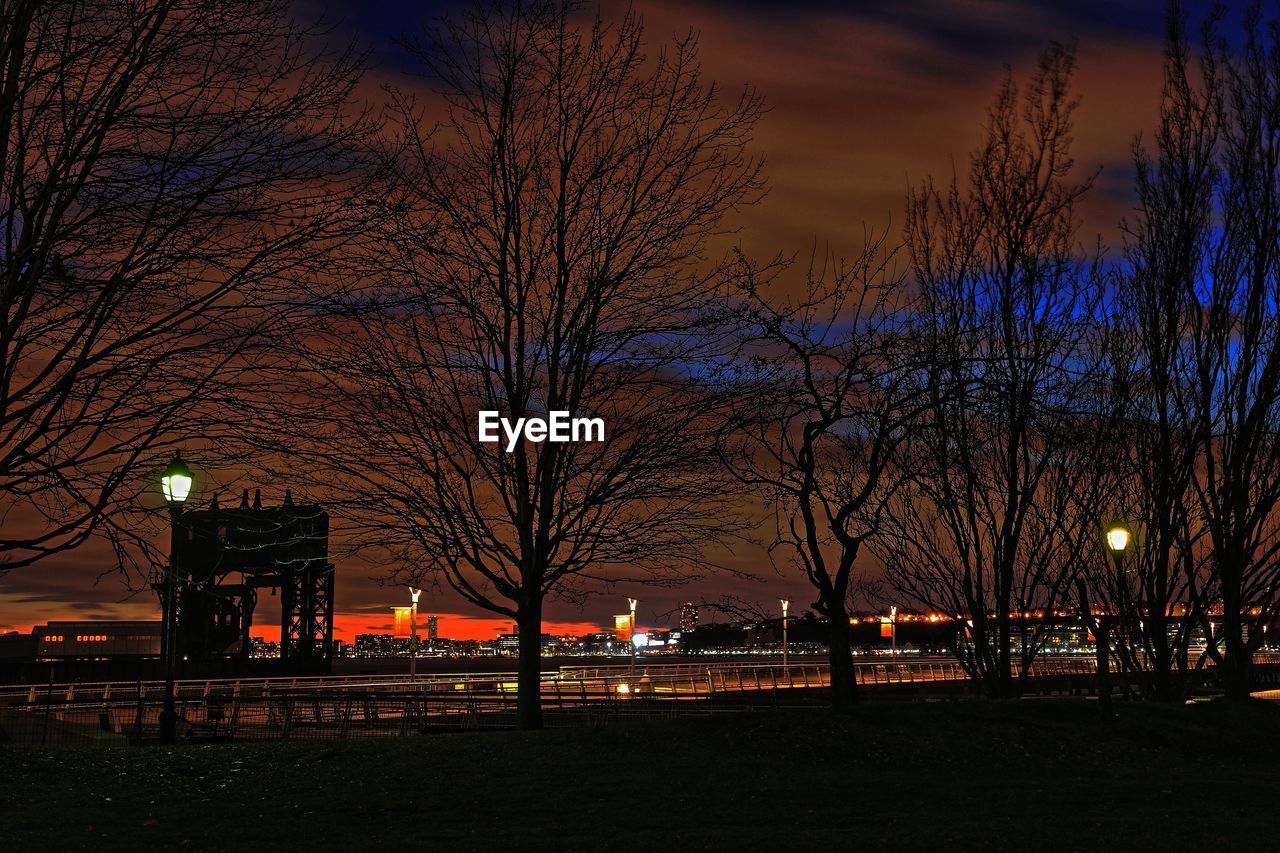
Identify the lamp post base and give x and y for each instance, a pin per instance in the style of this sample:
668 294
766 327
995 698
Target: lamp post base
168 725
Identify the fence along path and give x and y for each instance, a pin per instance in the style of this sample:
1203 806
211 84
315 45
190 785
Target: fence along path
339 707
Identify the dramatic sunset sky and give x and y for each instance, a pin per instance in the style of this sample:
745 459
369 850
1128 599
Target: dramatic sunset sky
867 98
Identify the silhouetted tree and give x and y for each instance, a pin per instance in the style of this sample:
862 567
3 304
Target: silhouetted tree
544 252
1002 500
828 387
1234 333
164 167
1158 591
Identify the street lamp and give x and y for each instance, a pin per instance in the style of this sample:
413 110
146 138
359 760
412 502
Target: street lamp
893 632
632 632
175 484
413 633
1118 540
785 605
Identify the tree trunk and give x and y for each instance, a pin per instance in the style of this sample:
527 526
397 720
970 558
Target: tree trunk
1003 682
844 693
1164 663
1102 658
529 679
1237 663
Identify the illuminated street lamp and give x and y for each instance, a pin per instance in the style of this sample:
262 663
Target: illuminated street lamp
785 605
632 633
1118 540
893 632
413 633
176 481
175 484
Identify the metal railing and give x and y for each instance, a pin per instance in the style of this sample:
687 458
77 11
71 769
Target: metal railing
369 706
104 690
768 676
335 715
746 674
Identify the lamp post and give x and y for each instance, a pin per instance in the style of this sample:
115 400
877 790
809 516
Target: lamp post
893 633
1118 541
413 633
632 632
175 484
785 606
1118 538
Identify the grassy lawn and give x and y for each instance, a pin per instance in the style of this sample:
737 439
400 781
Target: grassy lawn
1031 775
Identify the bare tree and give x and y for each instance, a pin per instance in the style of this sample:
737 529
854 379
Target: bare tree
544 253
1002 499
827 391
164 166
1158 591
1235 338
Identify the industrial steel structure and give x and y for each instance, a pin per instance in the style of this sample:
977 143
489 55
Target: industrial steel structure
223 557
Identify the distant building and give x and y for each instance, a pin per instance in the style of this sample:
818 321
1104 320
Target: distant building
599 643
658 638
688 617
97 639
715 638
380 646
510 643
260 648
433 627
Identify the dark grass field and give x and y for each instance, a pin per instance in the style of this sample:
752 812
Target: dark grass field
1031 775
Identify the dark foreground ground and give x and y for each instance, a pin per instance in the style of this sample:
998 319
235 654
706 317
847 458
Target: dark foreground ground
1031 775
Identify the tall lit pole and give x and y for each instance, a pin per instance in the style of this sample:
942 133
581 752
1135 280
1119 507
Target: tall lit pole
175 483
785 605
893 633
413 632
632 602
1118 539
